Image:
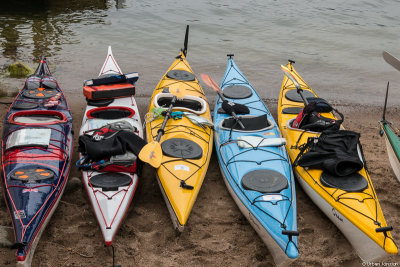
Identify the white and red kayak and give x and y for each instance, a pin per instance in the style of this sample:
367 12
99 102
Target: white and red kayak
111 187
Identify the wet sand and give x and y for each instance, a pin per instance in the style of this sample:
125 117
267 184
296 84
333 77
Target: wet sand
217 234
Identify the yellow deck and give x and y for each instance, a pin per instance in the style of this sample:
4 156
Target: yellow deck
360 208
171 172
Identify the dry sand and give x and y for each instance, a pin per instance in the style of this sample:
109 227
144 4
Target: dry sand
217 234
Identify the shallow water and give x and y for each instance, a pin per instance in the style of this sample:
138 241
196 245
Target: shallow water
337 44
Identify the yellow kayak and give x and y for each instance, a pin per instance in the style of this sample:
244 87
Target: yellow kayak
186 146
357 214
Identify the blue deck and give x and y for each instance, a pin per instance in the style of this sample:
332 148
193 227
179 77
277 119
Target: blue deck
274 215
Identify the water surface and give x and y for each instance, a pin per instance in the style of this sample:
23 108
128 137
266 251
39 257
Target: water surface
337 45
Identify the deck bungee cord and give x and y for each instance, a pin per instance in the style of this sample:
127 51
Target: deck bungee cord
157 113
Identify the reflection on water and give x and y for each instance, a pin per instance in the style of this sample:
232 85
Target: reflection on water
44 26
337 44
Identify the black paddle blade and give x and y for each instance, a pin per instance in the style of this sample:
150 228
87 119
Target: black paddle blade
230 107
185 44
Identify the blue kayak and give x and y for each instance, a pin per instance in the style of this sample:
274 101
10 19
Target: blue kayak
256 167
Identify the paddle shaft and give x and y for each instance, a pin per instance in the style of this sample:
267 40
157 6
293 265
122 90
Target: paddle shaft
391 60
233 113
386 97
167 116
185 44
295 82
300 92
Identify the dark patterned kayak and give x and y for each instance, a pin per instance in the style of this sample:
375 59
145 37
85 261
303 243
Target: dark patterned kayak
36 155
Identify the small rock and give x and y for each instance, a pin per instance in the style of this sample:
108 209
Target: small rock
19 70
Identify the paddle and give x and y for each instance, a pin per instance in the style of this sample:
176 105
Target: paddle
291 77
391 60
211 83
152 152
185 44
384 107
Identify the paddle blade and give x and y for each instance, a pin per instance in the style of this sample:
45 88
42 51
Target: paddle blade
290 76
391 60
210 82
151 154
185 44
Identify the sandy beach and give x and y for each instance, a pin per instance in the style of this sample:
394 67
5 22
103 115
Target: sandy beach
217 234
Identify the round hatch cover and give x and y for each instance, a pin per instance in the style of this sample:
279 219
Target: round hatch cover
292 95
100 102
39 93
25 105
182 75
264 181
32 175
181 148
351 183
291 110
110 181
237 92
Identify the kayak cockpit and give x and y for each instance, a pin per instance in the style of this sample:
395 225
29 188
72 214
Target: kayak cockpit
190 103
37 117
251 123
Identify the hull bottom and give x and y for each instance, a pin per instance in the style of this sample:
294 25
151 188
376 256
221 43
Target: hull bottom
171 211
394 162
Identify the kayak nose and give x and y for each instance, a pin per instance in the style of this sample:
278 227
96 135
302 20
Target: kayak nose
292 251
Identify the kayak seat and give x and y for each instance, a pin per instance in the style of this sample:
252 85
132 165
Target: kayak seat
292 95
250 123
181 148
181 75
100 102
292 110
32 175
237 92
264 181
110 181
350 183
